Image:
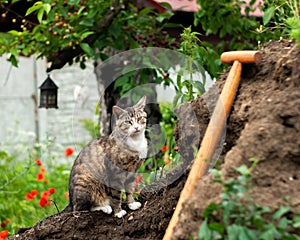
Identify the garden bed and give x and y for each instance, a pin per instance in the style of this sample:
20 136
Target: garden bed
264 124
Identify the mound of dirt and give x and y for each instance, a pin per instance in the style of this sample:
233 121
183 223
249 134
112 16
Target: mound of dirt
264 123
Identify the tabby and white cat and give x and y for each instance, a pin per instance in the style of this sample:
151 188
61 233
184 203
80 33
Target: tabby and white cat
108 165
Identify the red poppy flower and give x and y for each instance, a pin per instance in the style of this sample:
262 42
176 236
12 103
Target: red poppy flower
45 195
51 190
29 196
40 177
3 234
34 193
69 151
43 202
38 161
42 170
164 148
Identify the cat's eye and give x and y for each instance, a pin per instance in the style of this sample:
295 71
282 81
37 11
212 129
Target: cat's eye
141 120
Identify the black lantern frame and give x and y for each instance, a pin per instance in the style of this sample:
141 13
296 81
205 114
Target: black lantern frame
48 94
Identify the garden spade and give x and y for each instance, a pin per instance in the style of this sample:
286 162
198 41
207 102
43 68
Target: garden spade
214 129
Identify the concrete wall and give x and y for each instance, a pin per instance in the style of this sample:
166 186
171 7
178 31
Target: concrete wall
19 115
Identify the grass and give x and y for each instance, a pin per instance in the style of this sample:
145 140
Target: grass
30 190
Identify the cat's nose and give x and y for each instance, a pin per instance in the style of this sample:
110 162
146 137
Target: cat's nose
136 128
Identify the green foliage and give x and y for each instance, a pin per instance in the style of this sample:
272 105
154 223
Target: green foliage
184 82
91 125
224 18
142 28
132 79
168 120
66 25
41 9
294 25
30 189
166 156
282 18
238 217
61 25
200 55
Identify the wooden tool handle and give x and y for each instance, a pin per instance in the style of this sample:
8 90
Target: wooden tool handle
246 56
209 142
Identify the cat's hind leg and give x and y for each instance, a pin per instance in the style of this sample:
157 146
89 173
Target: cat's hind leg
101 204
106 209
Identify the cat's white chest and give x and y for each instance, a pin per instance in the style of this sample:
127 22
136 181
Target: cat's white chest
138 144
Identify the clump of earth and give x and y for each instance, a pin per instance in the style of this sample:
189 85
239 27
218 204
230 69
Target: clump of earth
264 124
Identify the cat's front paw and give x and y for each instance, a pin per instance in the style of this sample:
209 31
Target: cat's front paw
134 205
106 209
120 214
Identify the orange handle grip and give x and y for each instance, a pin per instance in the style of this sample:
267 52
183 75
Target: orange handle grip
209 142
246 56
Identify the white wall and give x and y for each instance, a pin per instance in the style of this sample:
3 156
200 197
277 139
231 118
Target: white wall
17 108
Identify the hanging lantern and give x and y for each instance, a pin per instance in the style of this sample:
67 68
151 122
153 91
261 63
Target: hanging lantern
48 96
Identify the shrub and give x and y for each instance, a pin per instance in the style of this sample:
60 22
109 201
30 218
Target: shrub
239 217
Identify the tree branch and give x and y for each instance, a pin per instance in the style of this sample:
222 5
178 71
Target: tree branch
67 55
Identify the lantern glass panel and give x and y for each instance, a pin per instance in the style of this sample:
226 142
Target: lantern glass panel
52 100
43 99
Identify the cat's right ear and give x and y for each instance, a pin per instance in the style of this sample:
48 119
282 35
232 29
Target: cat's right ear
117 111
141 103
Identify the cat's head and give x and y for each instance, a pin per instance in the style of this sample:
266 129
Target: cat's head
131 121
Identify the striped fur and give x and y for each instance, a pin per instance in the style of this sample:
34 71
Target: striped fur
108 165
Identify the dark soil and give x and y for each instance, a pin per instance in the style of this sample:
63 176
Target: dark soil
264 123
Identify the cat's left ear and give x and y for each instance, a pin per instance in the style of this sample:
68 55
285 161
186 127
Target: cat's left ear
141 103
117 111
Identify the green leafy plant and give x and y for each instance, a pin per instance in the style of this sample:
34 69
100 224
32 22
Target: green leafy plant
31 188
171 157
224 18
239 217
283 18
82 29
200 56
233 18
165 156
